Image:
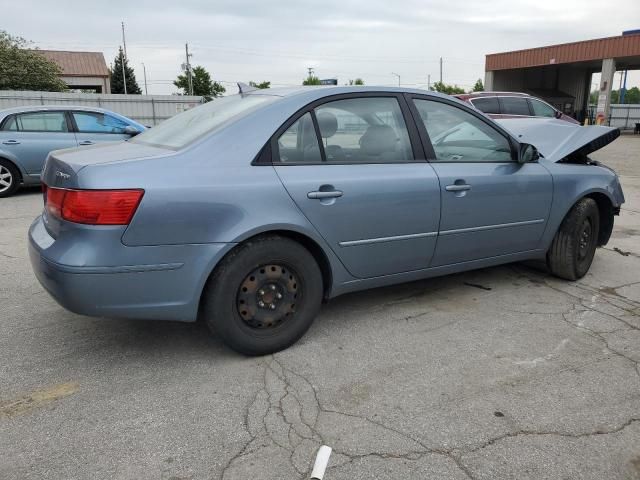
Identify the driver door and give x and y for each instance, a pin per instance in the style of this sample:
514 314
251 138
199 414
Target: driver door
491 204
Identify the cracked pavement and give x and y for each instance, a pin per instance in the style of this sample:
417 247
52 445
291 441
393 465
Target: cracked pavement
498 373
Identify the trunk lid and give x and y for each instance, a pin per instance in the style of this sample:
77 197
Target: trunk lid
557 139
62 166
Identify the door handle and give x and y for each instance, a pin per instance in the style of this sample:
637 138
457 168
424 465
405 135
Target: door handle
457 188
11 142
320 195
86 142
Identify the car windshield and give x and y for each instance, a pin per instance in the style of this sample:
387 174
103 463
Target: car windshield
183 129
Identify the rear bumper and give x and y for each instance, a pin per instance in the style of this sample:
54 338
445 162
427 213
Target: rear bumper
164 282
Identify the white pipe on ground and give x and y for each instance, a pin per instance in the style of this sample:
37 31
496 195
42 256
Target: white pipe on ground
322 460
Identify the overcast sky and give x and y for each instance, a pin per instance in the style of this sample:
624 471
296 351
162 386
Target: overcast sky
242 40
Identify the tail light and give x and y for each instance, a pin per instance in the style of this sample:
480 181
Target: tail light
92 207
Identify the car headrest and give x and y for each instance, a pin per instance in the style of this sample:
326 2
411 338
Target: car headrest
328 124
378 139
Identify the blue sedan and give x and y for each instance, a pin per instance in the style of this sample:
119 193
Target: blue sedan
28 134
249 211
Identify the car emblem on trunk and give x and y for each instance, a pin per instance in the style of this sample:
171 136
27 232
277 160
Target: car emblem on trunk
64 176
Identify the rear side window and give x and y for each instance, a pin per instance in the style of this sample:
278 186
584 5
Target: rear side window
541 109
10 124
353 130
299 143
364 130
38 122
97 122
486 104
514 106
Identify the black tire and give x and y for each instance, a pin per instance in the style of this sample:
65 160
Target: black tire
253 274
575 243
8 168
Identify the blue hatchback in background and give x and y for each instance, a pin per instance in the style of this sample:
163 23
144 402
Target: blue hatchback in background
249 210
28 134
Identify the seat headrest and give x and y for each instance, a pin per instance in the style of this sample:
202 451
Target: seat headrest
378 139
328 124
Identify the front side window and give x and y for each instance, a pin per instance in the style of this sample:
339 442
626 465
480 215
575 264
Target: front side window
97 122
186 127
514 106
42 122
459 136
541 109
487 104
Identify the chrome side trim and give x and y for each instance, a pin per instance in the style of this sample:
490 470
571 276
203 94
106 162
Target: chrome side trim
368 241
491 227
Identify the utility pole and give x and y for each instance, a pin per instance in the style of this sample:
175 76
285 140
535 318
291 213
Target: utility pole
396 76
440 69
144 71
429 82
124 42
124 58
188 68
124 72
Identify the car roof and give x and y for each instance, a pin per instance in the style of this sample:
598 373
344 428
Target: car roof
491 94
321 91
35 108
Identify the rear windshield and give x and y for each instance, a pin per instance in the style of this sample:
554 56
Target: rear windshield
186 127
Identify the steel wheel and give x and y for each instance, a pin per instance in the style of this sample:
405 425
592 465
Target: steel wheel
584 239
6 179
264 295
267 296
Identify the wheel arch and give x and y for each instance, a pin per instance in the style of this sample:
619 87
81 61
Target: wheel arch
12 161
303 239
606 210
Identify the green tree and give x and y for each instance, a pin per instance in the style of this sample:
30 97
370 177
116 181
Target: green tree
202 84
311 80
260 85
117 82
357 81
448 89
479 86
632 95
24 69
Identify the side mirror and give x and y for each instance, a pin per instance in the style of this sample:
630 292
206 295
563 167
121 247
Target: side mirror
558 114
528 153
131 130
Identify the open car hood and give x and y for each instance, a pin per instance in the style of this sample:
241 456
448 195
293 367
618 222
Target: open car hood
557 139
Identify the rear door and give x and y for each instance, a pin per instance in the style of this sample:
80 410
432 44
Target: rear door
354 166
97 127
30 136
491 204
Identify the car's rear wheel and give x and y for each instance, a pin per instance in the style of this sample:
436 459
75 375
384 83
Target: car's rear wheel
263 296
9 178
574 245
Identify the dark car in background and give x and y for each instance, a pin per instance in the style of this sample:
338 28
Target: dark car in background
513 105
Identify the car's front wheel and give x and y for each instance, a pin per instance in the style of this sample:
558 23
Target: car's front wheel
263 296
9 178
575 243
